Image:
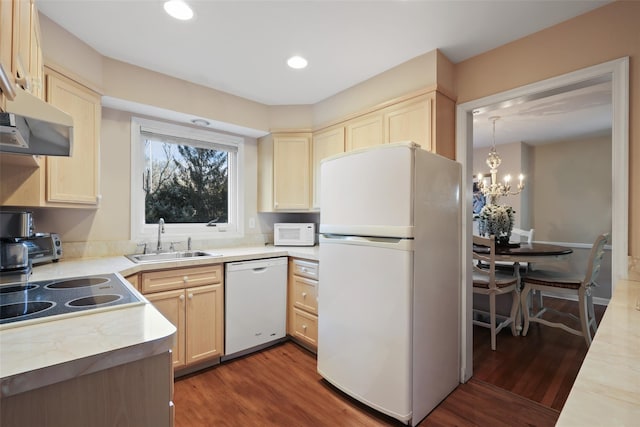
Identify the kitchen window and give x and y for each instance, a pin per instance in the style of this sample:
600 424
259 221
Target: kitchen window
188 177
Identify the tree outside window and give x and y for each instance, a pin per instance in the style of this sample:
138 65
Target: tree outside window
185 183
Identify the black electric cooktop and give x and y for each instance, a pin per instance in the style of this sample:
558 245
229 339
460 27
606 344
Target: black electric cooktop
22 301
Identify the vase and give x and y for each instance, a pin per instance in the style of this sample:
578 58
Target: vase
488 227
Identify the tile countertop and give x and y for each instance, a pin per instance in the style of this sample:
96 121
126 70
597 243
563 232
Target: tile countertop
607 389
47 352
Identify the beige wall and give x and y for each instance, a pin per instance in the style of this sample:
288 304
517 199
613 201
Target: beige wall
413 75
571 190
604 34
607 33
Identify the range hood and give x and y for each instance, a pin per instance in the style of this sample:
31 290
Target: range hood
30 126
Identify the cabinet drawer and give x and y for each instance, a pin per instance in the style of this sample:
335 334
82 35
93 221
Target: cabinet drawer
305 294
305 268
305 326
164 280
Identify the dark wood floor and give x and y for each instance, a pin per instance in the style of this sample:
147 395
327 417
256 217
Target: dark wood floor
524 382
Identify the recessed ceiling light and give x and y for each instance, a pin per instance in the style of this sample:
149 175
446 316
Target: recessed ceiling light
297 62
178 9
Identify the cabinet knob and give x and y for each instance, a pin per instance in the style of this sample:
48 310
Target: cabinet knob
182 297
190 296
304 295
304 327
185 279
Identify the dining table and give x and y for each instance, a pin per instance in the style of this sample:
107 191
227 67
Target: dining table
523 252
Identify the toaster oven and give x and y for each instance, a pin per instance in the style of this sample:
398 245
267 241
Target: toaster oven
43 247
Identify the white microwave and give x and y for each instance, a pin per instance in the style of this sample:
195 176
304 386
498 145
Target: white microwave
294 234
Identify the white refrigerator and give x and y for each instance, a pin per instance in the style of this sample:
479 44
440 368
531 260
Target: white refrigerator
388 303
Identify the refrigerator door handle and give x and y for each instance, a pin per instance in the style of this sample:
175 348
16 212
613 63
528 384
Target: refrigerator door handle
382 242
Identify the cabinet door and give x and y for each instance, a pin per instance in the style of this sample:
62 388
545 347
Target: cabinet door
409 121
177 278
172 306
305 327
21 42
6 40
325 144
291 175
204 319
36 63
305 294
75 179
364 132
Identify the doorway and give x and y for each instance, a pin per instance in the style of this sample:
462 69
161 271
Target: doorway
618 72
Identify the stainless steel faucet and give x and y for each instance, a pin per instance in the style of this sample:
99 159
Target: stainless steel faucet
160 231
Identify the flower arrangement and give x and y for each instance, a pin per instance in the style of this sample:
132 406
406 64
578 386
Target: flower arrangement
497 220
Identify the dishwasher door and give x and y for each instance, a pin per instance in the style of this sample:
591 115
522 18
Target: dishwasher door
255 304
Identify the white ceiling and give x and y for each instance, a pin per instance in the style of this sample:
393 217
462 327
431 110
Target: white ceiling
241 47
567 113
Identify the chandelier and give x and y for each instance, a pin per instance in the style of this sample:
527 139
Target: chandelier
493 191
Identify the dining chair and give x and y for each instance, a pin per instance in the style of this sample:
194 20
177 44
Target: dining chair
488 281
564 284
520 233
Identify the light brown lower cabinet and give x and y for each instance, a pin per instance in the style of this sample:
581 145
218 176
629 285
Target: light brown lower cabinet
303 302
197 312
134 279
134 394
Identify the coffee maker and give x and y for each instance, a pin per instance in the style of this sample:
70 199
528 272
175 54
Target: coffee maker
14 253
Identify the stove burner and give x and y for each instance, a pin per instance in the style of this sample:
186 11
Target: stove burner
28 302
93 300
16 288
77 283
10 311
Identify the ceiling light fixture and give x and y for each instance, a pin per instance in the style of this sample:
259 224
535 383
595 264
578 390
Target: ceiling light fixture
496 189
178 9
297 62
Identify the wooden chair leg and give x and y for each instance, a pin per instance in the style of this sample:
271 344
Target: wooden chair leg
524 304
584 317
492 317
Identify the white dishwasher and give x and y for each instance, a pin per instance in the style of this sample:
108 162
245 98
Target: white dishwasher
255 304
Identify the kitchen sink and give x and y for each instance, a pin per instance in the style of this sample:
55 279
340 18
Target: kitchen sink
170 256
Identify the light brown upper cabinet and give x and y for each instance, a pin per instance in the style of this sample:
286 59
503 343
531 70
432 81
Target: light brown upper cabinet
325 144
284 172
409 121
20 49
75 179
365 131
36 181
